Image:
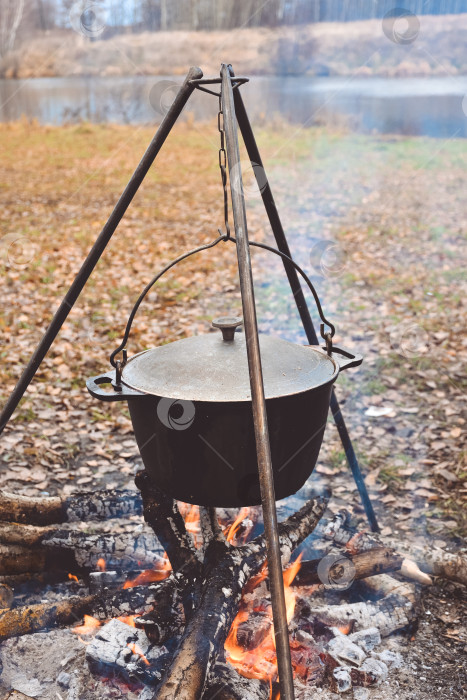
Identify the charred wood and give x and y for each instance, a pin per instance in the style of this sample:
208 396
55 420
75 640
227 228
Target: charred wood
71 550
103 605
397 607
102 505
162 514
226 570
119 648
225 683
125 550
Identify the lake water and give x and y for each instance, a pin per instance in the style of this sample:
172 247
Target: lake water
424 106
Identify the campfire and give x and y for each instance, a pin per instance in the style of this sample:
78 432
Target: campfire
214 598
204 602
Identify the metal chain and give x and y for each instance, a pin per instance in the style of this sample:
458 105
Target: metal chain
223 166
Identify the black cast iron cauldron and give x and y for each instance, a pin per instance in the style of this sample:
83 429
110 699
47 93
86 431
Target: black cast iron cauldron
190 404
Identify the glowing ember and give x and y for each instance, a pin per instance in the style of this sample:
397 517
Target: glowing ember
128 620
91 624
190 514
72 577
136 650
101 566
290 594
161 570
232 531
260 662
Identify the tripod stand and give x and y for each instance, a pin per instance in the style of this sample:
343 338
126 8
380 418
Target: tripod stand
234 114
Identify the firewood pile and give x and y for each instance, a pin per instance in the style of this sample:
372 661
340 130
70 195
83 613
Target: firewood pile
182 608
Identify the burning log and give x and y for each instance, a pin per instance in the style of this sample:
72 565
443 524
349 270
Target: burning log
102 605
28 549
119 648
226 569
123 550
225 683
162 514
101 505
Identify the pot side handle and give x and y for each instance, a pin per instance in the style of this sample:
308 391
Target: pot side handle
94 384
346 359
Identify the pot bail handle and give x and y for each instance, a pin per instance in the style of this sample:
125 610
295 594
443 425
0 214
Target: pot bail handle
119 365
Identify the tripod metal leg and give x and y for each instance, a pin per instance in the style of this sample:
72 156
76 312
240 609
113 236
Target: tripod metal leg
99 246
279 235
260 420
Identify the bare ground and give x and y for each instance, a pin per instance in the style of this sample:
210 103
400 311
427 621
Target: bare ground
393 281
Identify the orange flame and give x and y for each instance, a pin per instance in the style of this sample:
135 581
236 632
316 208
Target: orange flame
236 524
190 514
101 565
290 594
261 662
161 570
127 619
72 577
136 650
91 624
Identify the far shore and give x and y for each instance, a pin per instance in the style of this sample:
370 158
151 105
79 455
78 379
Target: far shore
326 49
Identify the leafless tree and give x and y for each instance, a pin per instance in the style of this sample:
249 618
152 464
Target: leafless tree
11 14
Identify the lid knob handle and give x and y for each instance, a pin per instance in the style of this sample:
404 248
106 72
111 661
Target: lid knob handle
227 324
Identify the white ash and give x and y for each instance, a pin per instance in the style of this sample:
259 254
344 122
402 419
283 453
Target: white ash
392 659
344 650
361 693
357 651
63 679
119 648
343 678
376 668
366 639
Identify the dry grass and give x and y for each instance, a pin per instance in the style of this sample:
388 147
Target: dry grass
322 49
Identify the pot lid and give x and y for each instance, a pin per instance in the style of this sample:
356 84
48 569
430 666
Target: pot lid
214 367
